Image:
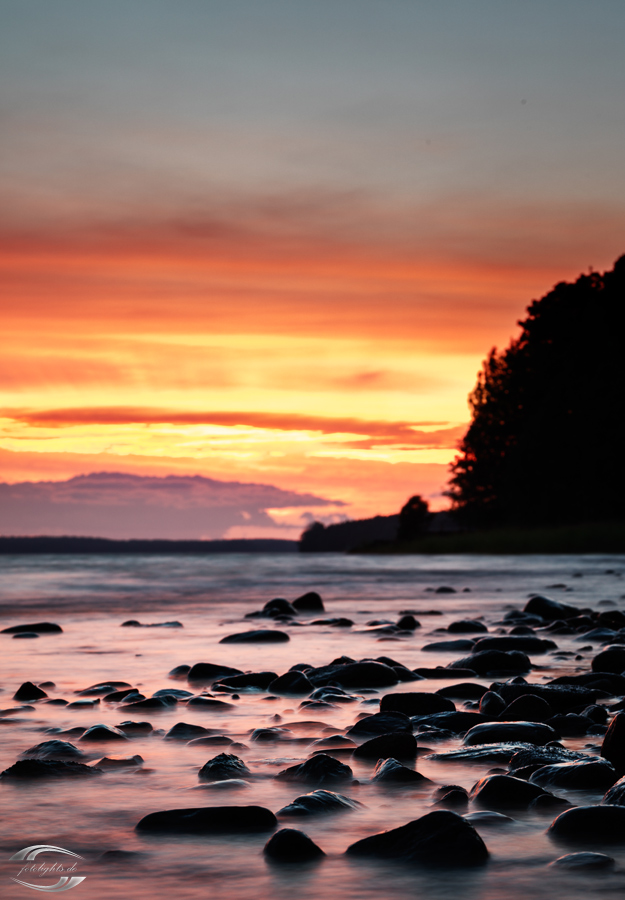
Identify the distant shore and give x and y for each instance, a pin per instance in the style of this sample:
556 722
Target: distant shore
86 545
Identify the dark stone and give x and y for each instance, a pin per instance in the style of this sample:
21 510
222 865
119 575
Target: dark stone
26 635
154 703
207 672
291 845
491 704
310 602
213 740
354 675
222 767
53 750
209 820
134 624
336 741
116 696
48 768
278 607
581 861
459 645
209 703
513 642
36 628
466 626
616 795
589 774
464 690
444 589
265 735
183 731
455 798
496 732
610 660
447 672
291 683
547 803
440 838
504 791
597 714
416 703
180 671
408 623
380 723
319 769
613 746
486 661
29 691
457 722
570 725
319 803
608 681
258 680
133 728
339 622
587 824
549 609
550 754
103 733
528 708
256 637
391 771
561 698
400 745
497 752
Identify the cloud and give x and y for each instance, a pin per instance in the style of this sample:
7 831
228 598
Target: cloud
124 505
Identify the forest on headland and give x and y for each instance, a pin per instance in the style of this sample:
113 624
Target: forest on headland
540 467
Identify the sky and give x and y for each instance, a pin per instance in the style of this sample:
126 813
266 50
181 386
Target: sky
271 243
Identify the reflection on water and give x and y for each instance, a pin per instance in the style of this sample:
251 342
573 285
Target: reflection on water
90 597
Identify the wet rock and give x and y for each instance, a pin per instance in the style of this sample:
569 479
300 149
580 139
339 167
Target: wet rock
213 740
466 626
588 774
222 767
278 607
103 733
445 589
503 752
48 768
549 609
504 791
354 675
125 694
486 661
205 673
339 622
380 723
408 623
487 818
496 732
180 671
400 745
228 784
613 746
34 628
26 635
126 762
28 692
291 845
454 798
133 623
319 769
439 838
528 708
183 731
309 602
491 704
570 725
612 659
464 690
209 703
588 824
336 741
319 803
154 703
616 795
453 646
549 804
209 820
457 722
53 750
391 771
560 697
581 861
291 683
597 714
256 637
255 680
135 728
509 642
265 735
81 704
445 672
608 681
416 703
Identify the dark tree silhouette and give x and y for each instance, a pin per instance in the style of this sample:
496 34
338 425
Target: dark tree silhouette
545 443
413 518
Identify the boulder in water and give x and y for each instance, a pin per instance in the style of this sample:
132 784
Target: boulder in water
209 820
291 845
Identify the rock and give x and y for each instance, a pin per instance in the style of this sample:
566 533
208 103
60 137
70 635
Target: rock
466 626
457 722
487 818
268 734
491 704
577 861
135 728
291 683
213 740
561 698
528 708
453 646
354 675
549 609
310 602
616 795
35 628
445 672
222 767
127 762
550 754
588 774
503 752
256 637
570 725
400 745
336 741
255 680
391 771
183 731
103 733
504 791
209 703
205 673
454 798
53 750
444 589
339 622
416 703
319 769
464 690
48 768
154 703
439 838
496 732
180 671
514 642
588 824
547 803
26 635
380 723
132 623
408 623
291 845
486 661
28 692
209 820
612 659
319 803
125 694
613 746
278 607
228 784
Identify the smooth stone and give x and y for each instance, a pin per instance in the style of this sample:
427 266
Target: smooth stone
153 703
486 661
319 769
491 704
453 646
290 845
26 634
336 741
560 697
528 708
591 774
496 732
135 728
391 771
487 818
354 675
408 623
455 798
255 680
610 660
466 626
549 609
126 762
616 795
380 723
183 731
338 622
503 791
29 691
256 637
464 690
291 683
116 696
48 768
179 671
278 607
550 754
416 703
585 860
103 733
132 623
209 820
458 722
445 672
83 704
319 803
228 784
503 752
613 746
440 838
223 766
399 745
310 602
589 824
515 642
207 672
570 725
214 740
209 703
593 680
177 693
53 750
34 628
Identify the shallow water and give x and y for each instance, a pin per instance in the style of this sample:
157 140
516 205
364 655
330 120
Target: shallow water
90 597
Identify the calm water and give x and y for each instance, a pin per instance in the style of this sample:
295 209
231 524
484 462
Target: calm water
90 597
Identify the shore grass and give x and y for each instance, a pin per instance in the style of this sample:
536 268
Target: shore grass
597 537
